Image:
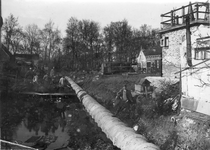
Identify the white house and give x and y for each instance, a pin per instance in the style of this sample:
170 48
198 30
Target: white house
196 79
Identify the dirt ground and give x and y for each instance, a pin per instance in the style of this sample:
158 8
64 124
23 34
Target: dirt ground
183 130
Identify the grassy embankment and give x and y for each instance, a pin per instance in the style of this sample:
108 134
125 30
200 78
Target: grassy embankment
181 133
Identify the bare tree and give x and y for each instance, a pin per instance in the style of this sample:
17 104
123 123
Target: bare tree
71 41
11 31
17 41
32 38
51 40
89 36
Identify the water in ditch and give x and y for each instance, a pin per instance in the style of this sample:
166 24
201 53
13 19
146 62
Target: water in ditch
49 123
34 121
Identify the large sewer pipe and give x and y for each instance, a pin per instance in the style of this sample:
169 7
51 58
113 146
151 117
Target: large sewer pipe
122 136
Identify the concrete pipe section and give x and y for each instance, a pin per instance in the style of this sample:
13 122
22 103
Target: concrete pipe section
122 136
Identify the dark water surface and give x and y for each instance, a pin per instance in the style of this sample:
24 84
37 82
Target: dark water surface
36 121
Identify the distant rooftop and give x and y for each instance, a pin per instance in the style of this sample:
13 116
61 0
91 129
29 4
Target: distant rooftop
198 13
153 51
27 56
4 48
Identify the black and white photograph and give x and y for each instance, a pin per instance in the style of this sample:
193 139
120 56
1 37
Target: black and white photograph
104 75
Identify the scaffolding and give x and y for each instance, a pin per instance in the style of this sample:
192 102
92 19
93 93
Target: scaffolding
198 12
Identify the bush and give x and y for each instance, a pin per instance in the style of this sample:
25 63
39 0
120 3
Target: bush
168 96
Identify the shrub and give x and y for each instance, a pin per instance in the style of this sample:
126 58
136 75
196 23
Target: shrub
167 98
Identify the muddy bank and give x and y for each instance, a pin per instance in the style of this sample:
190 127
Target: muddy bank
182 130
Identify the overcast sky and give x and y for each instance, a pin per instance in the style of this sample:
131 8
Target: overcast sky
136 12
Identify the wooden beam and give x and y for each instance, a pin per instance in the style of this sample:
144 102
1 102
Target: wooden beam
183 14
48 94
172 18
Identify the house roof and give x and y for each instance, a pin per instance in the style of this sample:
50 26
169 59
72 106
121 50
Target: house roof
26 56
153 51
5 54
6 50
156 81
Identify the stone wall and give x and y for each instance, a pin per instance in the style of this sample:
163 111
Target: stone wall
171 54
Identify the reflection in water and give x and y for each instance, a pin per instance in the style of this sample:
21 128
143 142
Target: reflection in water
48 123
30 119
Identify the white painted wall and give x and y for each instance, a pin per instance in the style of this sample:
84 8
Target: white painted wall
196 81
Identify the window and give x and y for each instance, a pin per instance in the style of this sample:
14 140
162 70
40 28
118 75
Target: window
157 62
199 54
208 54
202 53
203 48
164 42
148 64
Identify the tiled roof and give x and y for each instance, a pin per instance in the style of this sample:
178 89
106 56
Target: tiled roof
153 51
157 81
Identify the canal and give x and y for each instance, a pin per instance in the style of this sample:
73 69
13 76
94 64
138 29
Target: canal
48 122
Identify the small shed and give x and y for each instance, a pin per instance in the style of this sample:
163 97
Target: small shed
27 58
26 61
150 84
